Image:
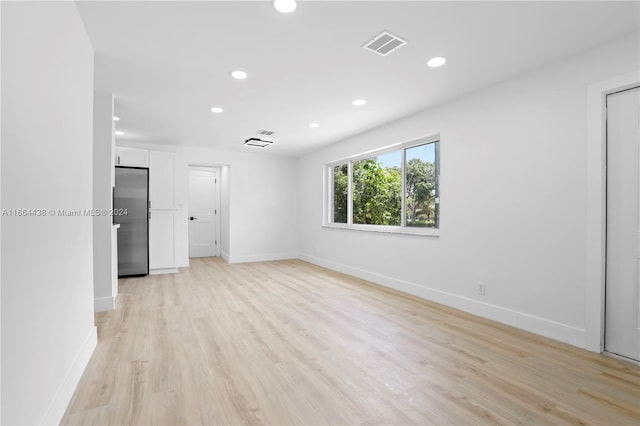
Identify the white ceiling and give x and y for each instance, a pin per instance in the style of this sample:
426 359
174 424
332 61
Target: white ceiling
169 62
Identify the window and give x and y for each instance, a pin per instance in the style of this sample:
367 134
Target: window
340 193
377 190
421 186
395 189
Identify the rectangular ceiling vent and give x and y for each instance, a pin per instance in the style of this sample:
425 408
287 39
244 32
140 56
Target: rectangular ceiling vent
265 132
384 43
258 143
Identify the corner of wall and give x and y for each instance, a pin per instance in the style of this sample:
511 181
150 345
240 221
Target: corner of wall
103 304
61 399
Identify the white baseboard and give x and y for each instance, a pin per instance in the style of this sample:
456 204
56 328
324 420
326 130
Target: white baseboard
554 330
225 256
163 271
102 304
260 257
184 263
63 396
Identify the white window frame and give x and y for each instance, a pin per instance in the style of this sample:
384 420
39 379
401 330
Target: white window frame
327 217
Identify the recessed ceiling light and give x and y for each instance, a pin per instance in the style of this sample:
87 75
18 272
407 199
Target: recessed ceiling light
436 62
314 125
119 133
285 6
359 102
116 118
217 110
239 75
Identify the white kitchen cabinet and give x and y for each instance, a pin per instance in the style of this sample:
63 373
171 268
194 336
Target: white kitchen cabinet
132 157
162 192
162 240
162 223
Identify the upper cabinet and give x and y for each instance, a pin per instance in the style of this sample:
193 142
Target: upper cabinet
161 173
132 157
162 180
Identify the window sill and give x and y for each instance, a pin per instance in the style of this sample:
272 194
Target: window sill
427 232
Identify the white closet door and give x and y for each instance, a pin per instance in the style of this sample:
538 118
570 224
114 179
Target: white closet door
203 209
622 330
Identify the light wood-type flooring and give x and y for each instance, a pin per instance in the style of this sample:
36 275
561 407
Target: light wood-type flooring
281 343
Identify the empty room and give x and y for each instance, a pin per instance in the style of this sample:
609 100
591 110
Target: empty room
320 212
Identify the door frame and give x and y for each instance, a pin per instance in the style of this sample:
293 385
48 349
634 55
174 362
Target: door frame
218 170
596 214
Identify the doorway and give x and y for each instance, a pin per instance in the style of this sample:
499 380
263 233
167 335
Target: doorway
204 211
622 297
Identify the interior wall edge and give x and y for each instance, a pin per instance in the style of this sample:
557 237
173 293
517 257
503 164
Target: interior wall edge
63 396
103 304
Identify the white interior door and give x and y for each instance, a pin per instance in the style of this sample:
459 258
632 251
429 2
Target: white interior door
622 322
203 212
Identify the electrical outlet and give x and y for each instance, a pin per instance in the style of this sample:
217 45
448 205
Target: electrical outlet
481 288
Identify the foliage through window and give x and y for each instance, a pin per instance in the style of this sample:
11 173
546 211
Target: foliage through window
422 208
377 190
340 193
396 188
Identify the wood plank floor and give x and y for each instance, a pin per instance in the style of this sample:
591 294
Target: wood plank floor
286 342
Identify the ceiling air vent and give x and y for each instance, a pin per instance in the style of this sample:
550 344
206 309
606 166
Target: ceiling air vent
259 143
384 43
265 132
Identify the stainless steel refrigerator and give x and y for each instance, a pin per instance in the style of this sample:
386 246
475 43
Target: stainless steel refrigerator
131 202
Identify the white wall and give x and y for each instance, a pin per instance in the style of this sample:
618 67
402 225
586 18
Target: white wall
513 200
0 221
48 332
103 292
225 218
260 220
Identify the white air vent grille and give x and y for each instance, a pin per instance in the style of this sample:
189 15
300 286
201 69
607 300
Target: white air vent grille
258 143
384 43
265 132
